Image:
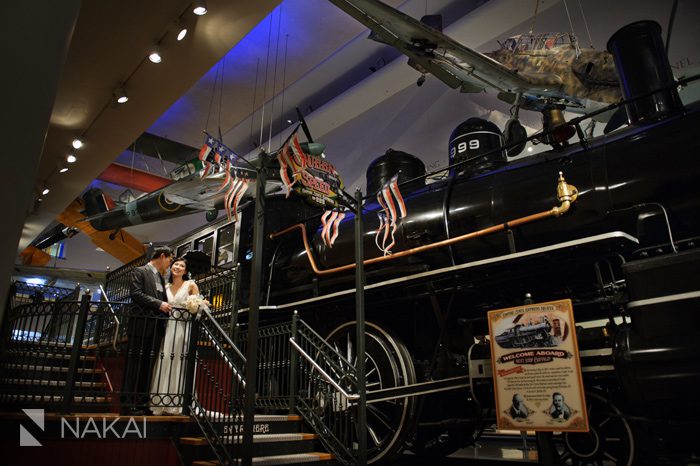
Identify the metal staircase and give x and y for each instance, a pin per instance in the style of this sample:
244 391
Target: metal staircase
44 365
217 401
68 357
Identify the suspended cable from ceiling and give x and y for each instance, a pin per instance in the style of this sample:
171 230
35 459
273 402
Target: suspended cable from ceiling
274 80
534 17
213 94
284 84
585 23
255 96
671 20
221 95
267 70
571 24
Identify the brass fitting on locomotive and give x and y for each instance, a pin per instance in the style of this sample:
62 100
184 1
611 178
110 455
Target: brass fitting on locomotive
566 194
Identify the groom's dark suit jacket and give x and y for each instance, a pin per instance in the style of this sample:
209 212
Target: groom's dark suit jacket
145 294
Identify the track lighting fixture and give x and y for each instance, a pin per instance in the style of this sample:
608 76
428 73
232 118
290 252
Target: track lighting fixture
181 31
71 158
199 8
63 169
120 95
154 55
77 143
45 191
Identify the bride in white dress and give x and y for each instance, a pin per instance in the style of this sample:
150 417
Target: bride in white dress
168 382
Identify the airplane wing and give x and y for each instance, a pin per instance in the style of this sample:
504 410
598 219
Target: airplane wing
194 192
431 51
208 193
123 246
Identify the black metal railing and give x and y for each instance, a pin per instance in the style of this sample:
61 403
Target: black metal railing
273 373
113 355
118 281
216 386
326 395
34 336
121 357
30 293
219 287
298 371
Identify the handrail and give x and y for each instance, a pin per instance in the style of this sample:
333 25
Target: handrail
213 320
323 373
103 297
212 407
326 406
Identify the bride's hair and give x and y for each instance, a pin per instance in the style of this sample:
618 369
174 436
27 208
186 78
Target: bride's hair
186 275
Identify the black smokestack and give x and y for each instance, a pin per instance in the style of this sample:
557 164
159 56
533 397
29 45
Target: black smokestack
643 67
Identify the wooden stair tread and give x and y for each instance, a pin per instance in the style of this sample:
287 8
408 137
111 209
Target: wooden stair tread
31 367
32 354
46 344
312 457
262 438
217 417
53 398
56 416
196 441
52 383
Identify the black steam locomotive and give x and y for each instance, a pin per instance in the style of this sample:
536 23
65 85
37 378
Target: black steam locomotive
530 335
618 237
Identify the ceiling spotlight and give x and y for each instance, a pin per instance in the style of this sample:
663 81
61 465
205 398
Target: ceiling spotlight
45 192
77 143
154 56
199 8
63 170
120 95
71 158
183 32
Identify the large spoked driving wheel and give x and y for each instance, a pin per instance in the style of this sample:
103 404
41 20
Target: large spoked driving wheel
388 364
610 441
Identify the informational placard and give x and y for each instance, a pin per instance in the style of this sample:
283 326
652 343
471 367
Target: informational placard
536 368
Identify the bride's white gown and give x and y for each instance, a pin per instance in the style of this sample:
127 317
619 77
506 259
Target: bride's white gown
168 382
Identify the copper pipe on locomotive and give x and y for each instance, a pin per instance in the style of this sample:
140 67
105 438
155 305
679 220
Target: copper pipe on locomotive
566 195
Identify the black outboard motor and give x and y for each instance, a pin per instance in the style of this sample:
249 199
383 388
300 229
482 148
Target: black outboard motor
643 67
384 167
470 141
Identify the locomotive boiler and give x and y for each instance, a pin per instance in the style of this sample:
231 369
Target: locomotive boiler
610 222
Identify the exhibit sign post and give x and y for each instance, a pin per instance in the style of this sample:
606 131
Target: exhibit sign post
536 368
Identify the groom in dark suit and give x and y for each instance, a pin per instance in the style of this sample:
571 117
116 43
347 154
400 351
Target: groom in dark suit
145 329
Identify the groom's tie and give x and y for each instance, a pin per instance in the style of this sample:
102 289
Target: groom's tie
164 295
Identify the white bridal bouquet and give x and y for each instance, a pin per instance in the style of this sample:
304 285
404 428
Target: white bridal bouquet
195 303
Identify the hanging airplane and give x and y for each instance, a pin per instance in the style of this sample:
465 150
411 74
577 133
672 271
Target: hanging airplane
193 187
544 72
102 219
188 193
